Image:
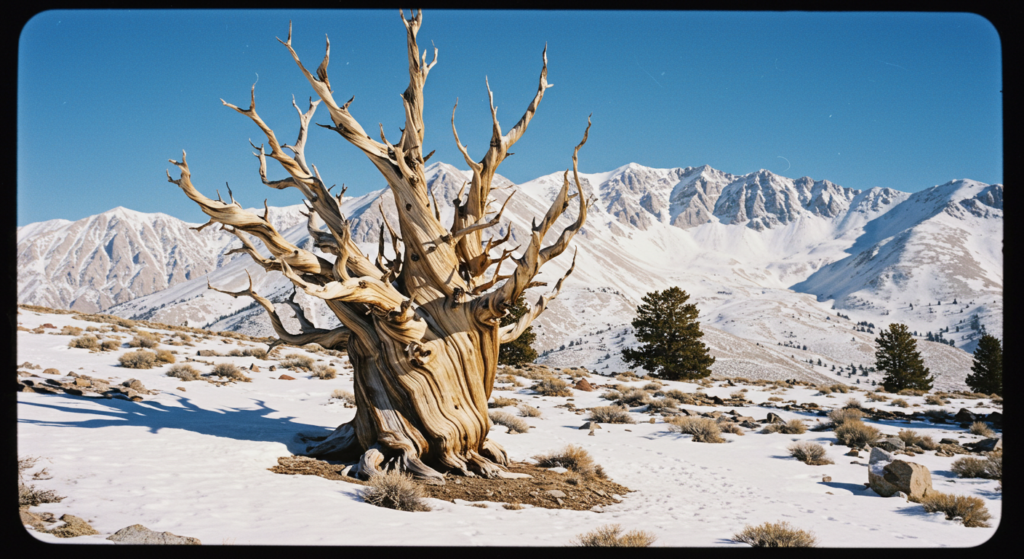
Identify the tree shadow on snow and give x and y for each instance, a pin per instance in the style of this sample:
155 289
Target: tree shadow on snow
239 424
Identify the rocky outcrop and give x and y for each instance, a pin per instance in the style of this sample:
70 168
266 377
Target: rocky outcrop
139 534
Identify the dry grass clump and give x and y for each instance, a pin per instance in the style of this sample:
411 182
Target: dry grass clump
110 345
512 506
791 427
677 394
731 428
85 342
324 372
528 411
28 495
634 397
970 467
505 379
574 458
164 356
207 353
780 534
739 394
553 387
229 370
911 392
877 397
140 359
501 402
703 429
609 536
809 453
612 395
145 339
856 433
610 414
774 399
514 424
344 396
394 490
900 403
839 416
257 352
839 387
653 386
184 372
662 404
853 404
981 428
913 438
971 509
296 361
70 331
935 400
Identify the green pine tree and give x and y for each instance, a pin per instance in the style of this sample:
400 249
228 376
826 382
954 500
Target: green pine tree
987 367
669 337
519 351
898 358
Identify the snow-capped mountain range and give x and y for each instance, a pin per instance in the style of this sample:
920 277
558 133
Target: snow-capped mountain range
767 259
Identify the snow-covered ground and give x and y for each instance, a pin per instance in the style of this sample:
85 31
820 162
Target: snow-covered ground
195 463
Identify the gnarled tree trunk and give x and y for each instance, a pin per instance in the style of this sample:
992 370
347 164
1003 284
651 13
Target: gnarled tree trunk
422 330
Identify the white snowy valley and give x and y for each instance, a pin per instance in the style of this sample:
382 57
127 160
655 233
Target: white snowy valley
794 279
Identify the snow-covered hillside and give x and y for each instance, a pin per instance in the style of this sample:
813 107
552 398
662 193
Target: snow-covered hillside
766 258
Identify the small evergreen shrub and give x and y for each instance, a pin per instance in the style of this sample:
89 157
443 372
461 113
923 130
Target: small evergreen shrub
780 534
394 490
704 430
612 536
610 414
971 509
140 359
809 453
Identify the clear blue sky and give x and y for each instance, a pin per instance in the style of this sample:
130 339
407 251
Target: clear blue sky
105 98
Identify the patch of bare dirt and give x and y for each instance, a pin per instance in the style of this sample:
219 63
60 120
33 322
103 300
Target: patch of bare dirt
547 489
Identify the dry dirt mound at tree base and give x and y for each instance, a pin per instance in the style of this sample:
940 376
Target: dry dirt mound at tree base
546 489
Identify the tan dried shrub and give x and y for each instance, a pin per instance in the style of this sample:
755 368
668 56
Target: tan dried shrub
324 372
809 453
141 359
184 372
780 534
230 371
900 403
913 438
634 397
610 414
69 330
85 342
574 458
703 429
528 411
110 345
514 424
612 536
857 434
990 467
553 387
982 429
501 402
344 396
971 509
394 490
164 356
297 361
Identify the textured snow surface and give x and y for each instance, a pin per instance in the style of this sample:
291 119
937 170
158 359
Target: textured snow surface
195 464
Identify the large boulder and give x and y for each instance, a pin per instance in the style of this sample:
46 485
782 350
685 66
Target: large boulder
890 478
139 534
965 416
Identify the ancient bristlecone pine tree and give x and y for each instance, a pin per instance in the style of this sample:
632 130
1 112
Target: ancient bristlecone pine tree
421 330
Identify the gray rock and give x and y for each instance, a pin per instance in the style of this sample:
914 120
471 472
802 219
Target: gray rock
139 534
890 478
774 418
555 493
879 455
988 445
891 444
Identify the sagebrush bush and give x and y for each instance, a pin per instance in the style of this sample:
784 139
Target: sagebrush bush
853 404
140 359
229 370
857 433
901 403
984 468
732 428
394 490
739 395
611 395
877 397
839 387
780 534
611 536
840 416
324 372
514 424
110 345
185 337
28 495
164 356
296 361
934 399
678 395
207 353
703 429
344 396
573 458
913 438
971 509
662 404
528 411
980 428
774 399
85 342
809 453
653 386
553 387
634 397
145 339
794 427
911 392
71 331
184 372
501 402
610 414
